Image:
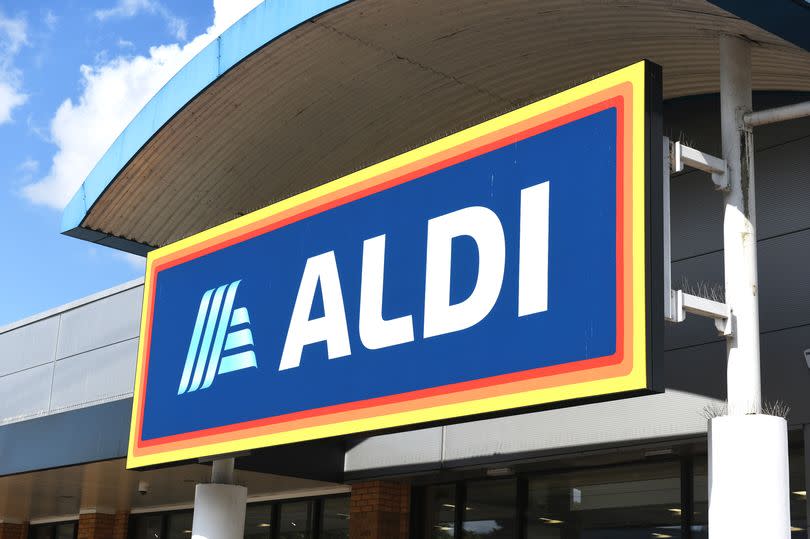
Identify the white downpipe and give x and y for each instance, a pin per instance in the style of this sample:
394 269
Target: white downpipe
219 509
748 456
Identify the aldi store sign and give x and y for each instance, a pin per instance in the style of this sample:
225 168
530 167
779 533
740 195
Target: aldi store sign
503 268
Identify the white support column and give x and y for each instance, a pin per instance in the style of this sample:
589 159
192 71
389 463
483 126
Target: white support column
739 228
219 506
748 458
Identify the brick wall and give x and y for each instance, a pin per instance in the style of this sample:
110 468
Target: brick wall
9 530
121 525
96 526
380 510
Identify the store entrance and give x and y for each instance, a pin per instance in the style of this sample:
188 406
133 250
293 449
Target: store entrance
652 499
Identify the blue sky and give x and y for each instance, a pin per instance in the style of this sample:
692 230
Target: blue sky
72 75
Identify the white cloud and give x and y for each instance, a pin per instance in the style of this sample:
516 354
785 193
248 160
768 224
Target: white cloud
29 166
130 8
13 35
50 19
113 93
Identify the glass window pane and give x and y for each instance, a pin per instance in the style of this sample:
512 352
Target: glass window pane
42 531
700 515
65 531
148 526
440 511
635 501
798 494
295 520
489 510
335 518
179 525
257 520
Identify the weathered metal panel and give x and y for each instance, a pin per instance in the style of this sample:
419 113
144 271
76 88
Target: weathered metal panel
75 437
28 346
405 449
99 375
109 320
25 394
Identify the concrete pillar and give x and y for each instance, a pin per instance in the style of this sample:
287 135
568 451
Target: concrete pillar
219 508
380 510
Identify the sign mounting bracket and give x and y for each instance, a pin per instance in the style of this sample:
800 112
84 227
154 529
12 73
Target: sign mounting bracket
678 303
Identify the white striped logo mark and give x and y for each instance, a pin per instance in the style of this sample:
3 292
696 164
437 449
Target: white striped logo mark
221 341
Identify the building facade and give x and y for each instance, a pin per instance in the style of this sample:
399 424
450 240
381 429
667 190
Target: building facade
365 80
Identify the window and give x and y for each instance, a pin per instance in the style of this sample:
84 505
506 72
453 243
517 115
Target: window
335 518
641 500
179 525
490 510
147 526
62 530
296 519
440 510
258 517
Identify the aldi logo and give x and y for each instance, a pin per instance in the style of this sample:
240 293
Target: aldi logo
221 341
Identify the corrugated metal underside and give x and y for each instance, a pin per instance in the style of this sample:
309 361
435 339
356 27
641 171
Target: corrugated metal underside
371 79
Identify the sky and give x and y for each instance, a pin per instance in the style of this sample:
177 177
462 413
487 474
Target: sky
73 73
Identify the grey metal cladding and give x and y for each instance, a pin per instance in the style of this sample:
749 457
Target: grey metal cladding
25 394
87 435
670 414
782 199
96 376
109 320
784 287
28 346
400 449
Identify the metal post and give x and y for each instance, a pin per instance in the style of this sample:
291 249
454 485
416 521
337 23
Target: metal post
739 228
748 456
222 471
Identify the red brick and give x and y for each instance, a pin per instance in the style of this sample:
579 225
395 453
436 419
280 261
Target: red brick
380 510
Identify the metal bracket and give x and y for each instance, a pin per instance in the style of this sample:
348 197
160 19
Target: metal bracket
676 302
683 156
719 312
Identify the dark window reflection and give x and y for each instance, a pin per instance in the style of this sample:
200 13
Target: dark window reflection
179 525
335 518
65 530
489 510
627 502
257 520
440 510
295 520
148 526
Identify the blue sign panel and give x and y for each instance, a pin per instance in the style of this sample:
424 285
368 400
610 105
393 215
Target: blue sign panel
487 272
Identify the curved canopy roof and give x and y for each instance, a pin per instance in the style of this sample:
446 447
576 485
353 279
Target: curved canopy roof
301 92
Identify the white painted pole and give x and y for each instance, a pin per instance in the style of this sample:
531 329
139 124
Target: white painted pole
748 457
219 507
739 228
